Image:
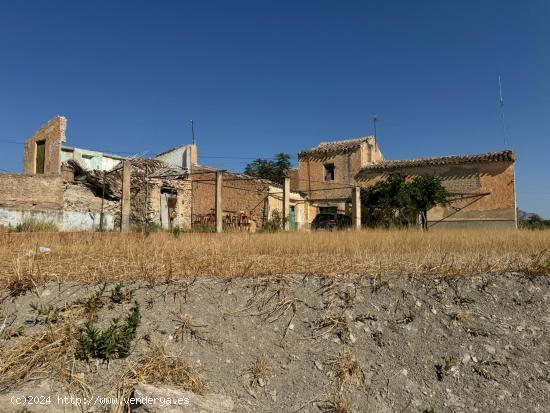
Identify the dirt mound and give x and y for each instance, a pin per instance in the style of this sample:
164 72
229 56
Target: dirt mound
297 343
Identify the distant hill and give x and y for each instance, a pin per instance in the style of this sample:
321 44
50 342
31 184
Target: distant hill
522 215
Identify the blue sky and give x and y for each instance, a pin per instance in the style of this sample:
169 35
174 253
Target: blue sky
260 77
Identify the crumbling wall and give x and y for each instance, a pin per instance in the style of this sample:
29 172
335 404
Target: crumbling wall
71 207
82 208
183 205
53 134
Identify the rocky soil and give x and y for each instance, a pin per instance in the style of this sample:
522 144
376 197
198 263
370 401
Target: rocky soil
320 344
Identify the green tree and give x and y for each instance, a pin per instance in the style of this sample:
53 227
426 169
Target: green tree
425 192
275 170
398 203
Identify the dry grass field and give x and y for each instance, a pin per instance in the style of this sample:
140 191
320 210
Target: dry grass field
96 257
248 316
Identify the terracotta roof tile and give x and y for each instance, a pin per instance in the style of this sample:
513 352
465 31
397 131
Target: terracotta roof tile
502 156
331 148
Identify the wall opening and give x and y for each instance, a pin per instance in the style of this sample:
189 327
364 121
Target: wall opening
329 171
40 156
168 203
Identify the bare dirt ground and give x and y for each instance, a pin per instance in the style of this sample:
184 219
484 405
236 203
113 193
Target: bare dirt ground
296 343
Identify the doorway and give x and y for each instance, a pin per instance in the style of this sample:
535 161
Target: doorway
40 156
168 202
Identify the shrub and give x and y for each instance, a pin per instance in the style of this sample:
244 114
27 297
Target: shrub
275 223
35 225
114 342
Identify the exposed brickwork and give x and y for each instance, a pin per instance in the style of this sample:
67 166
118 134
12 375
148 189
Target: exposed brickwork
32 192
238 194
53 133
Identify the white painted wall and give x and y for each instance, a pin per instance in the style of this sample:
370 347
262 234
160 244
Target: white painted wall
65 220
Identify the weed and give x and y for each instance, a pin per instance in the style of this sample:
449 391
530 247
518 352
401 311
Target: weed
45 314
185 326
9 333
461 316
346 369
155 366
335 324
118 295
94 303
34 225
340 404
258 373
114 342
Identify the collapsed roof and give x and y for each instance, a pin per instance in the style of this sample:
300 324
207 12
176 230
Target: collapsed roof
141 168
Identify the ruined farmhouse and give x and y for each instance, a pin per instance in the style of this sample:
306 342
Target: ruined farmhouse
83 189
482 186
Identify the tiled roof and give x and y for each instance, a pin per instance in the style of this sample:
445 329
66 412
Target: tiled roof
331 148
502 156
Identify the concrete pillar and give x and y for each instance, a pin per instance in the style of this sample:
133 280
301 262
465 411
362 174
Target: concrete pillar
219 217
125 207
356 207
286 204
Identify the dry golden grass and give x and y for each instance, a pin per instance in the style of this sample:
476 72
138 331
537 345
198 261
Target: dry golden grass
49 352
94 257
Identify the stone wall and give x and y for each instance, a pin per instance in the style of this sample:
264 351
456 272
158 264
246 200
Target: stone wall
53 134
484 193
183 205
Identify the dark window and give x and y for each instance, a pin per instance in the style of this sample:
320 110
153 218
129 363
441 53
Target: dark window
329 172
40 155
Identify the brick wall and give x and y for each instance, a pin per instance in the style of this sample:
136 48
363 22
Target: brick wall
31 192
53 133
248 196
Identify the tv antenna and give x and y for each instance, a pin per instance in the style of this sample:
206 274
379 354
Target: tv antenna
193 130
374 120
504 132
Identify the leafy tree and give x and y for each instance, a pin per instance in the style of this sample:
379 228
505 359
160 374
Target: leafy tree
386 202
425 192
397 203
274 170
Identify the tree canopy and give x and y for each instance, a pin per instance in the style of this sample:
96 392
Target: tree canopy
397 202
275 170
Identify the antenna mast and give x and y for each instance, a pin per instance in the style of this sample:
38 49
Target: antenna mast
374 120
502 110
193 130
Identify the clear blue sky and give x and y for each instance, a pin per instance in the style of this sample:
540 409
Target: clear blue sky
261 77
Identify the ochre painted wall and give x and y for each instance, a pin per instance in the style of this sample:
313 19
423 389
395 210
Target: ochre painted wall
488 192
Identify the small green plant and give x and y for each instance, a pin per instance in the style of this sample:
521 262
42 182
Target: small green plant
95 302
117 294
35 225
114 342
45 314
275 223
177 230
